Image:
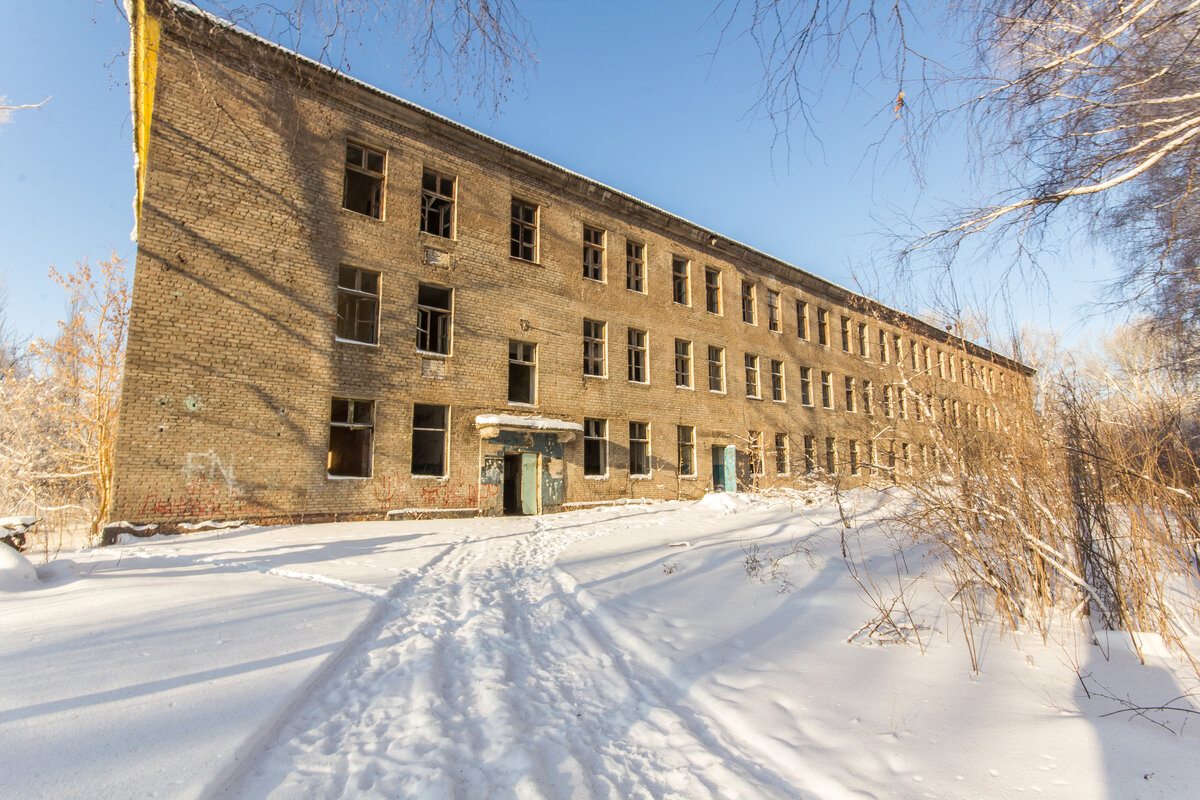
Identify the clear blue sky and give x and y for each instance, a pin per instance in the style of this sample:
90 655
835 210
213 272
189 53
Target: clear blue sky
626 93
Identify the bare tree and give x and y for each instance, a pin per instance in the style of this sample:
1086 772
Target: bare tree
464 48
1089 108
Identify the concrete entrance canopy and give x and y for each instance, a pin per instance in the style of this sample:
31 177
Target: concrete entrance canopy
489 425
521 463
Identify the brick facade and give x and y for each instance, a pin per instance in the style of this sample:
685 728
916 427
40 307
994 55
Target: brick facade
234 360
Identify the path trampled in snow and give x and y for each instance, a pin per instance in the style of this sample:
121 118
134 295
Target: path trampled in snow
485 678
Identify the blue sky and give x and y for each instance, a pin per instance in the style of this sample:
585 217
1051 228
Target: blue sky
626 93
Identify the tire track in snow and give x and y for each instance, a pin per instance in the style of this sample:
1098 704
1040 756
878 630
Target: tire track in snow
484 679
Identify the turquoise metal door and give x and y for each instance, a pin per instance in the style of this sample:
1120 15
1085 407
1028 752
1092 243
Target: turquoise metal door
730 468
529 483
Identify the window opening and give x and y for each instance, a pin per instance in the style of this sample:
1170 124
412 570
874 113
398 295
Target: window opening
686 451
351 428
748 302
635 267
637 355
716 369
362 190
358 305
593 348
680 291
777 393
595 447
429 439
433 318
712 290
524 230
522 372
772 310
437 204
751 376
683 363
593 253
639 448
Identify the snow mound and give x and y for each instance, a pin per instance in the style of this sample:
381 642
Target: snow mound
18 524
16 573
724 502
57 571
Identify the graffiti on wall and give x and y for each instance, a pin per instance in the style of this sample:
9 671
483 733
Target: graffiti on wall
210 491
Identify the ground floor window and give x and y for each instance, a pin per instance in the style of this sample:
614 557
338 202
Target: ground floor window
595 447
639 448
810 453
830 455
351 428
429 439
686 437
781 453
756 452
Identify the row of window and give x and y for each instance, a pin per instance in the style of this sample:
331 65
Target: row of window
352 425
358 298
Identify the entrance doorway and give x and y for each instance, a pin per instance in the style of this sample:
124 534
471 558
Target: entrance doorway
723 468
520 483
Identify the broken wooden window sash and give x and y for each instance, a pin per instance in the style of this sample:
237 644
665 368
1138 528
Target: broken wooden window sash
748 302
437 204
523 230
433 318
712 290
593 253
680 281
639 449
362 188
772 310
685 437
635 267
351 430
636 350
595 447
593 348
777 386
752 385
683 363
716 369
358 305
522 372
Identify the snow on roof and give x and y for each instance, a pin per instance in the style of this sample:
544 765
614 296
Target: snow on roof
536 423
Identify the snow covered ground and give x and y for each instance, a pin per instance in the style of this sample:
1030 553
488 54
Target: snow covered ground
609 652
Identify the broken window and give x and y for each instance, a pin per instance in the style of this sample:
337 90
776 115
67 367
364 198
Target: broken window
680 290
522 372
806 386
595 447
358 305
853 453
867 397
846 334
883 346
886 401
362 191
524 230
686 440
433 318
712 290
752 376
830 455
635 267
896 349
849 393
639 448
748 302
637 356
862 340
593 348
716 369
683 363
593 253
801 319
826 389
429 439
772 310
437 204
822 327
755 451
777 393
810 452
781 454
351 425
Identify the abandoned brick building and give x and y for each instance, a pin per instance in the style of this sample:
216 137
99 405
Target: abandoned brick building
344 304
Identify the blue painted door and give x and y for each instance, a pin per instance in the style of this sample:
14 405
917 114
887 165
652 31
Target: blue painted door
730 467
